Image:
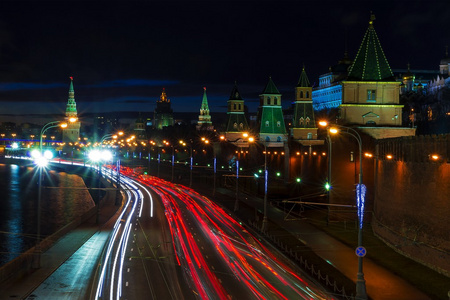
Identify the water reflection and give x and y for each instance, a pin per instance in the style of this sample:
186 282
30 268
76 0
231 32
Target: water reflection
60 204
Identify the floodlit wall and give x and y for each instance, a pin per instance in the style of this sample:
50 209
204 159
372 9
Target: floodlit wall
412 204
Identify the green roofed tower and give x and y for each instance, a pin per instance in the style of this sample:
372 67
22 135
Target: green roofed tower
370 63
72 132
272 130
71 108
204 119
370 94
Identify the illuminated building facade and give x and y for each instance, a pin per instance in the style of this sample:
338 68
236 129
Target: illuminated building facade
71 133
204 119
442 80
272 130
370 94
304 127
328 94
237 123
163 115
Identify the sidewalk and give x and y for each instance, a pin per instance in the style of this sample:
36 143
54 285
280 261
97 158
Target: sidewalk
380 283
63 249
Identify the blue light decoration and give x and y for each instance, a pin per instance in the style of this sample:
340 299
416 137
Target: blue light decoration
266 175
215 165
191 162
237 169
360 200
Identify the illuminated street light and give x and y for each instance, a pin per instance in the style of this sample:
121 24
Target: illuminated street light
41 161
360 199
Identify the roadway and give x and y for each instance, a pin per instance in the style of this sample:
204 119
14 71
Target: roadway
169 242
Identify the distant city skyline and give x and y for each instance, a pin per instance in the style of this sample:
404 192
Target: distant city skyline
122 55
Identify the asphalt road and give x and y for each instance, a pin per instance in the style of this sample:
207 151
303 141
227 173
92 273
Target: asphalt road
168 242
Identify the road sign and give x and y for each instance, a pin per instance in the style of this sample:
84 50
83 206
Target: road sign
361 251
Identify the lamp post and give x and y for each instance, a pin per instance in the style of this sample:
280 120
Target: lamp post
265 223
206 141
41 162
360 194
190 167
98 157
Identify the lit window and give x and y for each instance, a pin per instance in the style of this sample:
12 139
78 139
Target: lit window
241 125
307 120
267 123
278 124
275 101
371 95
268 100
235 125
301 94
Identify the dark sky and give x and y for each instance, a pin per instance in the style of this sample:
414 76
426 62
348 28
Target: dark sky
121 54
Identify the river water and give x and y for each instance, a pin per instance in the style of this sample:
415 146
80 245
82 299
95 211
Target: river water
60 204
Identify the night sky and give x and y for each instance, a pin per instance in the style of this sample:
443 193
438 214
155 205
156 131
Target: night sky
121 54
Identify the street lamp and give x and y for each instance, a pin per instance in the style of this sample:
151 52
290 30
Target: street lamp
360 195
191 161
41 160
215 165
265 223
98 156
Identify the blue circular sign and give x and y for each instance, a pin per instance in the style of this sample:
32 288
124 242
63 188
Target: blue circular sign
361 251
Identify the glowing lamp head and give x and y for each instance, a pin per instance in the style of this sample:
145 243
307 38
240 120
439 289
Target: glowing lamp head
94 155
323 123
251 139
334 130
222 137
298 180
48 154
120 133
389 156
35 154
327 186
245 134
434 157
41 161
63 125
15 146
106 155
72 120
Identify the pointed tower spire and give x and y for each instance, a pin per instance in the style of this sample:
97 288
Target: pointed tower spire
370 63
304 126
72 132
205 107
270 87
71 108
237 123
303 80
204 119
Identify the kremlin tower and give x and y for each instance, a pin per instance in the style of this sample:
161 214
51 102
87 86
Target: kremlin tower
72 132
